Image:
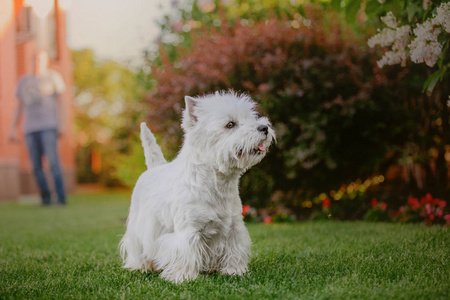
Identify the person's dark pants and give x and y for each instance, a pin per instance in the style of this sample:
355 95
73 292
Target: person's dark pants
42 143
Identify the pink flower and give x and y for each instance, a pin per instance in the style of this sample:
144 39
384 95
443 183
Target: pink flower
264 87
268 220
178 26
326 203
246 209
374 202
428 208
383 206
447 219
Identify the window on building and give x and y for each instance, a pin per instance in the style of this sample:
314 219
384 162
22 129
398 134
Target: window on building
42 29
46 34
24 25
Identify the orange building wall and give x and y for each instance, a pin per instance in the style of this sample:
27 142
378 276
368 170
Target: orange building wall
9 153
16 174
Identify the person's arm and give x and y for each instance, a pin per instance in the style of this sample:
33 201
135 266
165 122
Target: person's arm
60 88
15 122
62 111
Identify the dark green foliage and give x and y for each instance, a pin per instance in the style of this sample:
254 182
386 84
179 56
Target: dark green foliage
377 215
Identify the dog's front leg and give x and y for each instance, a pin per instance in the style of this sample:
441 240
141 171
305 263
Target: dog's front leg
237 249
180 255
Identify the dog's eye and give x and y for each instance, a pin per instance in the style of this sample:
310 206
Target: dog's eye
230 125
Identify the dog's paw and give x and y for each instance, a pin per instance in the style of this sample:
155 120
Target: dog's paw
178 277
239 270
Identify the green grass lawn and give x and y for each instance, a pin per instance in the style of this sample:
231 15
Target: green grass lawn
71 252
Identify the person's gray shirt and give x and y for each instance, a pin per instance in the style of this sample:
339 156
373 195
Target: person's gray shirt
38 95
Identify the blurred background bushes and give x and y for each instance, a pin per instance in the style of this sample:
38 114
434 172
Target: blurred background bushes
108 103
340 120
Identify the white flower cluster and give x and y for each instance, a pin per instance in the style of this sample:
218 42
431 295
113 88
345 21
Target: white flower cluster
424 46
443 16
389 20
396 37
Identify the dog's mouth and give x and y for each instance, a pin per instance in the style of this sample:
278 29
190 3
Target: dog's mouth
255 151
261 148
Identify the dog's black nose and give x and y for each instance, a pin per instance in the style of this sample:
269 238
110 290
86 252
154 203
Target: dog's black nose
263 128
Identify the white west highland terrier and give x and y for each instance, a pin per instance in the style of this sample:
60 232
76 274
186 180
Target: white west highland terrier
186 215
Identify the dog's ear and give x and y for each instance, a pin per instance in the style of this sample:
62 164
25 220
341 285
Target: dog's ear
189 117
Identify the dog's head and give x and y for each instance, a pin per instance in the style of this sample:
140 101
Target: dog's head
226 131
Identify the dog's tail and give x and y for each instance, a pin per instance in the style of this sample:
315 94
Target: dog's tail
153 154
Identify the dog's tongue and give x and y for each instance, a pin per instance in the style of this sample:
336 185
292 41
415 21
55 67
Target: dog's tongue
261 147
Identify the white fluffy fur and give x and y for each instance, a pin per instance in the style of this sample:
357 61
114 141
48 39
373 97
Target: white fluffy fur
186 215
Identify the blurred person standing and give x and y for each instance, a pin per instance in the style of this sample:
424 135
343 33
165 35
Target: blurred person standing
40 101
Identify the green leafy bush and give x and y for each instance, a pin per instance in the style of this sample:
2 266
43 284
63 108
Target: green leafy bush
108 103
378 212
